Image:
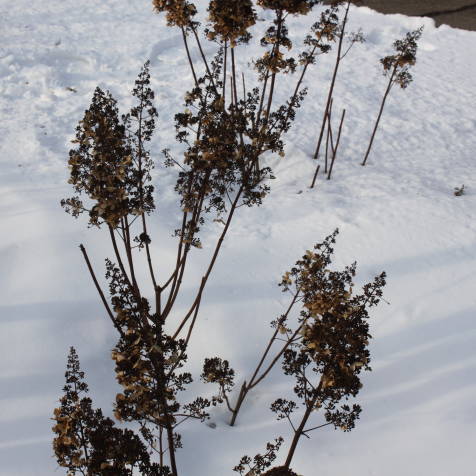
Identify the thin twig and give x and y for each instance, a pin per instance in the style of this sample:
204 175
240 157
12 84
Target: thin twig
337 145
190 62
99 290
382 105
316 427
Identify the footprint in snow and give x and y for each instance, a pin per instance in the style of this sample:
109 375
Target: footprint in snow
161 48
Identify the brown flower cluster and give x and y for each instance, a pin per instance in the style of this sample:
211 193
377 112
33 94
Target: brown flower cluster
66 444
275 62
219 142
398 65
100 164
280 471
224 145
135 354
134 373
88 443
230 20
110 164
296 7
178 12
334 333
260 462
147 360
216 370
327 28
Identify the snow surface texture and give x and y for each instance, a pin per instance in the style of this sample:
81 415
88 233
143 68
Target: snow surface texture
397 214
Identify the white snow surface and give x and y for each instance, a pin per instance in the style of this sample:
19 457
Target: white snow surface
397 214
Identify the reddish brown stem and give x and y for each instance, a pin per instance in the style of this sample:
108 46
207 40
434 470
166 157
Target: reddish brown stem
315 176
252 382
144 222
234 75
296 89
99 290
299 431
130 260
263 94
119 259
205 62
327 139
225 61
382 105
334 155
276 54
190 62
178 281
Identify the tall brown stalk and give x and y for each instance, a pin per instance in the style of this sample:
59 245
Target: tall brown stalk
397 68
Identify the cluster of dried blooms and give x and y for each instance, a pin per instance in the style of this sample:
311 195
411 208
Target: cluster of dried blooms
295 7
397 66
224 130
231 20
274 61
110 166
259 463
100 166
90 444
280 471
178 12
216 370
329 347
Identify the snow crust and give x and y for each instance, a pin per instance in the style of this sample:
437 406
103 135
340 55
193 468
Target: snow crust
397 214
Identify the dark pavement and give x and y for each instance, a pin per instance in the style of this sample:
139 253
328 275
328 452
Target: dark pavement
456 13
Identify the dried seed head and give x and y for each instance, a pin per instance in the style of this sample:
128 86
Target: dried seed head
178 12
280 471
230 20
296 7
398 65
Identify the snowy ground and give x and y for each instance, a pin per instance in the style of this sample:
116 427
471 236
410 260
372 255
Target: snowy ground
398 214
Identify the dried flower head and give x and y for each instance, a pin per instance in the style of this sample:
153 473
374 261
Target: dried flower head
86 442
230 20
147 361
327 28
280 471
111 165
296 7
216 370
259 463
398 65
334 336
178 12
221 155
100 164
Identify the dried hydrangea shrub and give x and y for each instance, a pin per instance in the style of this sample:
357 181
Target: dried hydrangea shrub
333 347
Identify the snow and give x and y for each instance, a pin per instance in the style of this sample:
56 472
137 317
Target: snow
397 214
